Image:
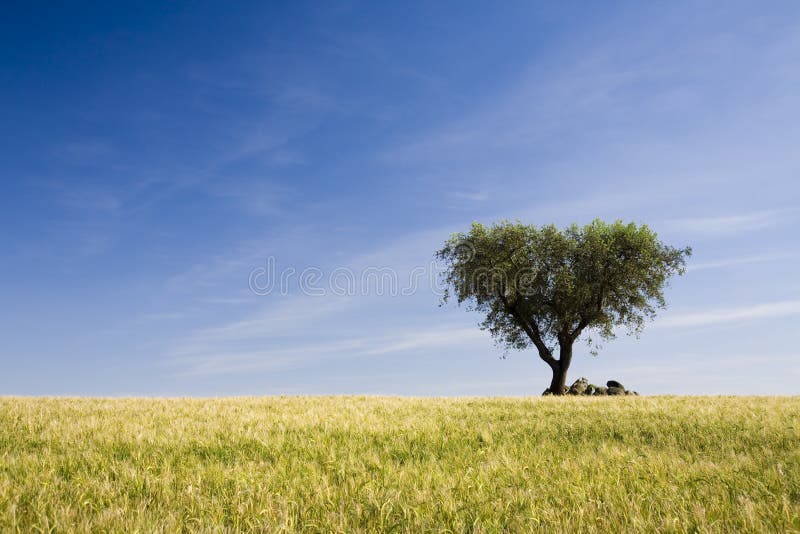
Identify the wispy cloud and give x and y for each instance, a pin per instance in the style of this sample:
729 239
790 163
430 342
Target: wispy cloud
606 116
430 339
475 196
163 316
303 354
291 317
258 197
84 151
741 260
708 373
91 201
725 225
731 315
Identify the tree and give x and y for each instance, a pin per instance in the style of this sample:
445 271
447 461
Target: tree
545 287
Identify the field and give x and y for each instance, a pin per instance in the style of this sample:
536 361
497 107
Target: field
379 463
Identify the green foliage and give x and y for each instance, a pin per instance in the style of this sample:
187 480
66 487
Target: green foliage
374 464
542 285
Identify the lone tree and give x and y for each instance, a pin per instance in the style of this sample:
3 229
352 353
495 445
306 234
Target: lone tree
545 286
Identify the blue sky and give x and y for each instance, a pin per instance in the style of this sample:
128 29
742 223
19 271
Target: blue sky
153 156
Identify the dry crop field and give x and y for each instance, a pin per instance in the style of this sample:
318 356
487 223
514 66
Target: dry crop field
348 464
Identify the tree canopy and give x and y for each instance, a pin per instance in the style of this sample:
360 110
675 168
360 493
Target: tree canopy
545 286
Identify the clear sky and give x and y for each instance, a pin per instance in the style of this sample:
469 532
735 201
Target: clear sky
155 156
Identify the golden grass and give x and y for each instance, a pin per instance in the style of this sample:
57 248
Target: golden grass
377 464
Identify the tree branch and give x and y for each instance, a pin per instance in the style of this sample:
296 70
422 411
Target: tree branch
532 329
583 323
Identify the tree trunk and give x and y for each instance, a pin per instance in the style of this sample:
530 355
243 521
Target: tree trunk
558 385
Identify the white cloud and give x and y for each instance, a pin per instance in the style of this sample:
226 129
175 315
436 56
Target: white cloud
163 316
731 315
206 360
729 224
704 374
280 318
433 338
742 260
474 196
258 197
85 151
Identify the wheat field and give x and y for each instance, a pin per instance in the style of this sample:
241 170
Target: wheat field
631 464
